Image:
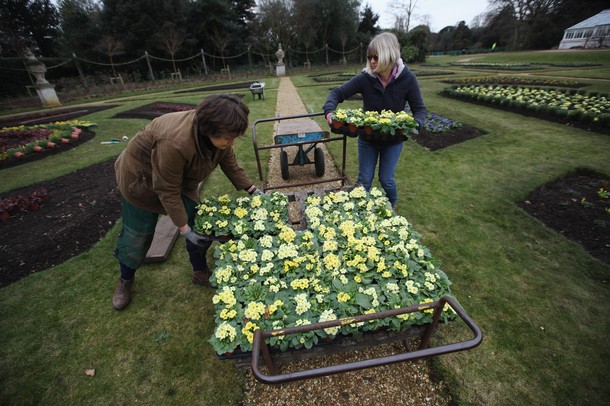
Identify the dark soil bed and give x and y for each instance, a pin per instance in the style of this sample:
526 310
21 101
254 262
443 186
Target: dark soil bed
81 209
573 207
436 141
153 110
84 206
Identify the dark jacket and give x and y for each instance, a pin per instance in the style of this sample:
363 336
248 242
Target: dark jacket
402 89
167 159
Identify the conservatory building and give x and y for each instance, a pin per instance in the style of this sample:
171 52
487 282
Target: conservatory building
594 32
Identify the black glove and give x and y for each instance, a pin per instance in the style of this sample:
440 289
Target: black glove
195 238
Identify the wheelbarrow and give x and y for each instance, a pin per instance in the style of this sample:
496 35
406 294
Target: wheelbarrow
305 135
258 89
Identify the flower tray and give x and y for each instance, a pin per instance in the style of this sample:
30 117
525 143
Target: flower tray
273 358
368 134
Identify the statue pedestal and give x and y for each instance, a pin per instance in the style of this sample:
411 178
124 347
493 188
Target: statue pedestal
46 94
280 70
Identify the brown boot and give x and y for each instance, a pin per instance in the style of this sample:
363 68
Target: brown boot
122 294
201 277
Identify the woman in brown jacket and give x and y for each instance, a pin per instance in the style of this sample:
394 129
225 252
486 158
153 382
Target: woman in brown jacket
159 172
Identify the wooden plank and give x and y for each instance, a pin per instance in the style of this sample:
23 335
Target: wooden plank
166 234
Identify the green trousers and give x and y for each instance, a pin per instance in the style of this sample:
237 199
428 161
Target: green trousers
138 230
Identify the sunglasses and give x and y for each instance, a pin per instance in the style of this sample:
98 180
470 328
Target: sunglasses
372 57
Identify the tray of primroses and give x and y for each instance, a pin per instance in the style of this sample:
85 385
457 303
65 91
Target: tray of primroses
355 257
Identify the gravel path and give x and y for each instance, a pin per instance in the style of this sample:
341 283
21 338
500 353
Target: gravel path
289 103
407 383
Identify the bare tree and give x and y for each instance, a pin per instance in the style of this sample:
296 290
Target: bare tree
221 40
170 40
404 13
111 47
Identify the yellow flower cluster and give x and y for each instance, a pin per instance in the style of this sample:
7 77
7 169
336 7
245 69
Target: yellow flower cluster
343 297
254 310
224 331
299 284
226 296
328 315
302 303
248 331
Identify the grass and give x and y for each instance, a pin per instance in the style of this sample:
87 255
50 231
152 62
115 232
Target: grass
539 298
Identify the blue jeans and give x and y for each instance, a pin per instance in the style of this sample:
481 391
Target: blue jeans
388 155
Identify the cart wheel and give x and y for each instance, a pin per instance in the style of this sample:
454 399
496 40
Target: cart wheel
284 164
319 161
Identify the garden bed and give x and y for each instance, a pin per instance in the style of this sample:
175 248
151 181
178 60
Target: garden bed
574 207
154 110
544 115
83 137
82 207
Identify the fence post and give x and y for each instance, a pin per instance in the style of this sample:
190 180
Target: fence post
150 71
205 67
249 58
80 71
326 47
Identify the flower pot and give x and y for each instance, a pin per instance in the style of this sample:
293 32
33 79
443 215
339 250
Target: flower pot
338 124
368 130
4 215
352 128
50 144
18 155
37 148
74 136
65 140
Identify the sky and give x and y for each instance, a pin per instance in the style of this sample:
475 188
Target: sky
441 12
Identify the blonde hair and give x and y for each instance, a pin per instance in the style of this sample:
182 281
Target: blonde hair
387 49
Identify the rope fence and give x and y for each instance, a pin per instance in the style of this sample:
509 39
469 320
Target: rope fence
150 68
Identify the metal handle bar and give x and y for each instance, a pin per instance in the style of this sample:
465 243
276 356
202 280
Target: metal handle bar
259 344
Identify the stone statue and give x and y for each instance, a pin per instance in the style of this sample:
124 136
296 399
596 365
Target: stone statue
44 89
35 67
280 55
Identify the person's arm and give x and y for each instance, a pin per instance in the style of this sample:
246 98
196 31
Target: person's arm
339 94
236 174
416 103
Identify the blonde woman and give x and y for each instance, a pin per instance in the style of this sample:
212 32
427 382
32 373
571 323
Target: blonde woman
385 84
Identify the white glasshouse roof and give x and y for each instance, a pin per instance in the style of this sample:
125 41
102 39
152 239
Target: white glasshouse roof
602 18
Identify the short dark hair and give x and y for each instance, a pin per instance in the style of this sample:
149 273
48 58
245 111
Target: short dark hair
222 114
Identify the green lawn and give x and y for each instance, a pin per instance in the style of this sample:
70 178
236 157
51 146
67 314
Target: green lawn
540 299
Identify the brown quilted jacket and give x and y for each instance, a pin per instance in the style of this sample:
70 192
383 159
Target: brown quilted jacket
165 160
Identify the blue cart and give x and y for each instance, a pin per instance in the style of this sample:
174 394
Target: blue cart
305 135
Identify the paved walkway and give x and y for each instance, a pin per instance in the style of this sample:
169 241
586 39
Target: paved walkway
289 103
